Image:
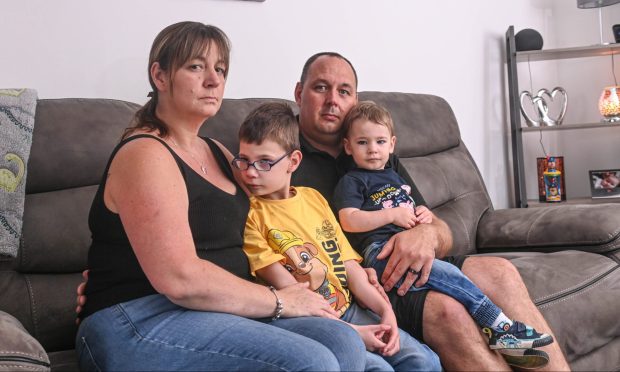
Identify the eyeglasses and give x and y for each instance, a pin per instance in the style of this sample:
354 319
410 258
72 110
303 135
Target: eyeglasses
260 165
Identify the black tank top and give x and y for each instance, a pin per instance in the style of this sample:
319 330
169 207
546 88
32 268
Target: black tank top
216 218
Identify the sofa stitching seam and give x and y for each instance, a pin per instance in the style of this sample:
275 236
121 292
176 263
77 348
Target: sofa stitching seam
20 353
560 300
33 304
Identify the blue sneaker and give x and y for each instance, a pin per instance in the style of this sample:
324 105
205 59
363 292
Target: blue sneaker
517 336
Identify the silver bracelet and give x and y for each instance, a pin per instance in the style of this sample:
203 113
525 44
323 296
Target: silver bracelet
279 304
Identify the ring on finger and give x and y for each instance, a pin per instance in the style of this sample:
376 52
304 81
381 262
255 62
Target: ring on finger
413 271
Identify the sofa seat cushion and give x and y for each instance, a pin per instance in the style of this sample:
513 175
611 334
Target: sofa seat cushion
64 361
20 351
565 286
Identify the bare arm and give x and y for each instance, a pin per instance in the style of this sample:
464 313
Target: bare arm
367 295
414 248
147 190
357 220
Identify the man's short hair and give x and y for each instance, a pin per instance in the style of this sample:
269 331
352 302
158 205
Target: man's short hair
310 61
274 121
368 110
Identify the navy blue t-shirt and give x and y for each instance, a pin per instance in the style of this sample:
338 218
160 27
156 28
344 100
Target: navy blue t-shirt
373 190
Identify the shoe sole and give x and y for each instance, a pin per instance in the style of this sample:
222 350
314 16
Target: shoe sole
526 359
523 344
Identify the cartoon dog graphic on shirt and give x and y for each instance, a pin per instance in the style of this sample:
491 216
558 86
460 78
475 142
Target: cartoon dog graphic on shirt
301 261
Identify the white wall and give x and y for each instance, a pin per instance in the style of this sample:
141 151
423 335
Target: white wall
452 48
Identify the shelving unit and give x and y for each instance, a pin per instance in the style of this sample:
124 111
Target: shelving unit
516 129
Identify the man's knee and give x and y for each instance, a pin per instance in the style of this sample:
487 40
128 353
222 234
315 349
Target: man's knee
441 310
496 269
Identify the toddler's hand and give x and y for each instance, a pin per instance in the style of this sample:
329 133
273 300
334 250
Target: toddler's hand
403 217
423 214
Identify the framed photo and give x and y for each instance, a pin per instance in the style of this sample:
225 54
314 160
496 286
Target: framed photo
605 183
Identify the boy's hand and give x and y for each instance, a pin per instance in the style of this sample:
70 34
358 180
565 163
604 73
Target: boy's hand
404 217
391 337
423 214
372 335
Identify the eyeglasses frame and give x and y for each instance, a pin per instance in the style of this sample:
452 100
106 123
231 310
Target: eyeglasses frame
253 164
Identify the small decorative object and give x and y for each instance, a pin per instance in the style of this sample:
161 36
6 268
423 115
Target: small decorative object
541 108
528 39
542 168
616 31
605 183
553 182
609 104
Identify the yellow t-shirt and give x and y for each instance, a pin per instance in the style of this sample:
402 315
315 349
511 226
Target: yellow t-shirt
302 234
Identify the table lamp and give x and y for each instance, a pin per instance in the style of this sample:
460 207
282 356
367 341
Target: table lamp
609 104
589 4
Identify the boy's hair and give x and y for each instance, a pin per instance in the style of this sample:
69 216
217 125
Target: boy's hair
274 121
368 110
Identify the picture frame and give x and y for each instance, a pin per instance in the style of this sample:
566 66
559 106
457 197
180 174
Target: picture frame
605 183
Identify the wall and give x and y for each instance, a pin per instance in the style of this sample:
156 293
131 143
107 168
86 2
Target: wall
452 48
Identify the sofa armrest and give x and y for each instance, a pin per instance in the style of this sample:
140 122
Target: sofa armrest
18 349
591 228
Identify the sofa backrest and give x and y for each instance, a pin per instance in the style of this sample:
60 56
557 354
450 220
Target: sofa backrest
72 140
429 145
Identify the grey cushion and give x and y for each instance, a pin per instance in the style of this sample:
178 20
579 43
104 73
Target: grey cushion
19 350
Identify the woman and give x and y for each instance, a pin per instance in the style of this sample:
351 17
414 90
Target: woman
169 286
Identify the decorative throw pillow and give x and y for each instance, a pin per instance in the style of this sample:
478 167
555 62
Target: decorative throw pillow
18 349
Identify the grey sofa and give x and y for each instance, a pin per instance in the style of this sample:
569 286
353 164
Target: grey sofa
568 255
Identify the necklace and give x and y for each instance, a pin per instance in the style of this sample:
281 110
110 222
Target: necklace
202 167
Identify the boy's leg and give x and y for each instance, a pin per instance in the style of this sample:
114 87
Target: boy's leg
413 355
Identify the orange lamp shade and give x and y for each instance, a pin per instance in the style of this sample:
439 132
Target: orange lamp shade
609 103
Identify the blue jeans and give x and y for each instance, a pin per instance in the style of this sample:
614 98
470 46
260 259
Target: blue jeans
447 279
413 355
152 333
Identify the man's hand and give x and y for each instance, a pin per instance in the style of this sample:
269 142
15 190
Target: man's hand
81 297
414 249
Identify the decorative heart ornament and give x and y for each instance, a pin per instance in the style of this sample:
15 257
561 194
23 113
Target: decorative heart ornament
540 107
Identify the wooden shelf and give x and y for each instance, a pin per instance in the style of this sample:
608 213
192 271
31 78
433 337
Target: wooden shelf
571 127
564 53
572 201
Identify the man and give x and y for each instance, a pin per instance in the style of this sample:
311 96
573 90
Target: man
325 93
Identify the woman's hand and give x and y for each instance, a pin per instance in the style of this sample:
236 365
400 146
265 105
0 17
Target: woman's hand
298 300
